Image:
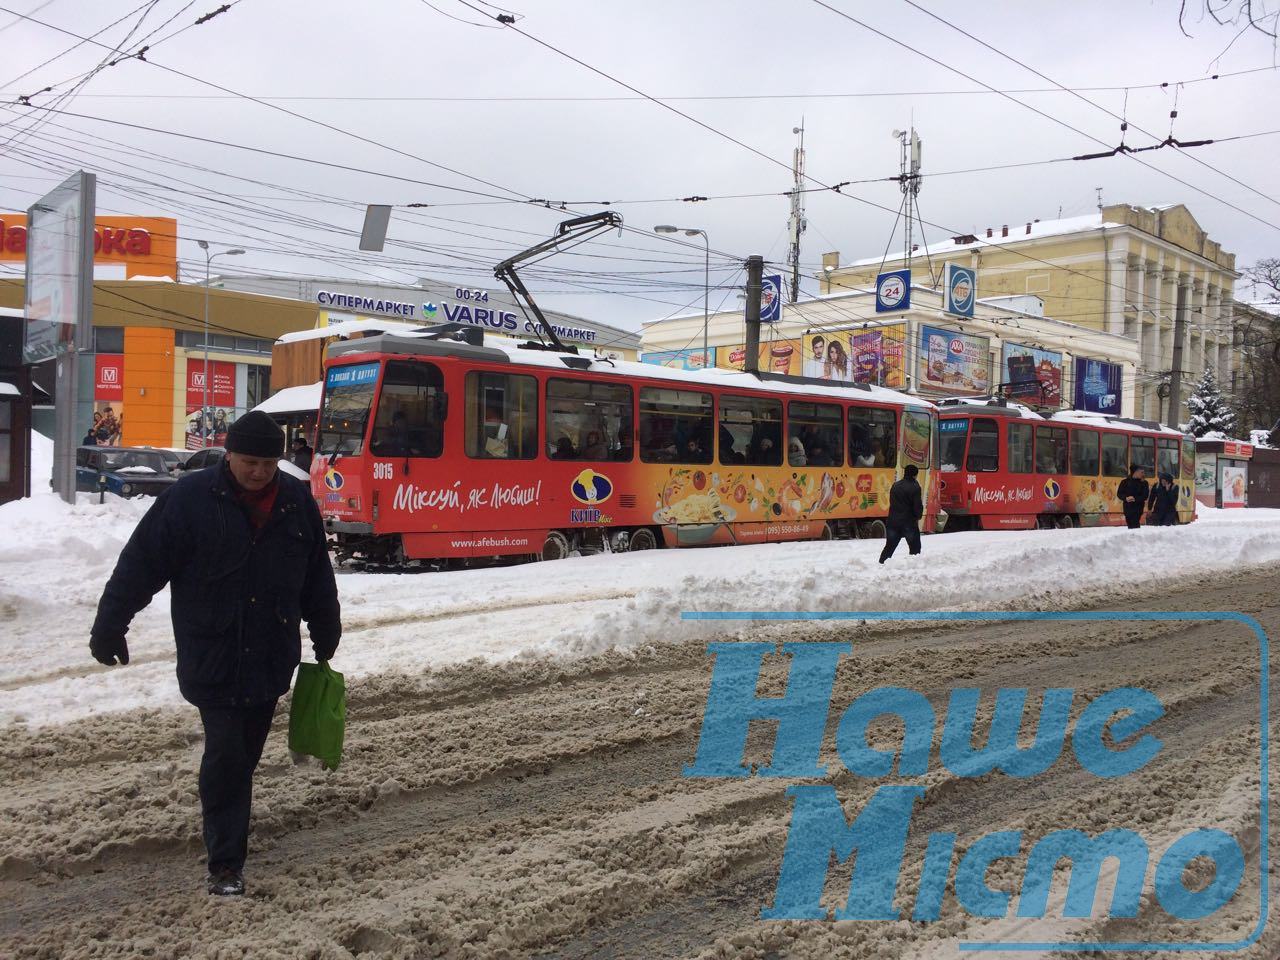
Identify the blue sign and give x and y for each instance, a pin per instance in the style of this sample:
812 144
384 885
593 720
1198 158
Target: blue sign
356 375
961 289
1097 386
953 426
771 298
893 291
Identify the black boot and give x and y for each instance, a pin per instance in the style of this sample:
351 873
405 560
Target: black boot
225 883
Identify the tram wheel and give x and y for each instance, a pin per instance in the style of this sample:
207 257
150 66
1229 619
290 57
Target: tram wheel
872 530
1066 522
643 539
556 546
827 532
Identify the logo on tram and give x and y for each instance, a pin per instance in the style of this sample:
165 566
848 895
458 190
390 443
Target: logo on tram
333 479
591 488
1052 489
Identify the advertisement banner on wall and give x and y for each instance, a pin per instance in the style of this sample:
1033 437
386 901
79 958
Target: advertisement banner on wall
955 363
961 290
857 356
108 401
1235 486
681 359
1034 376
893 291
1097 386
108 381
777 356
210 430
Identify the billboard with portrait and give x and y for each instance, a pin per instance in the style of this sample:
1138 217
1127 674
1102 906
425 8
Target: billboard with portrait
954 363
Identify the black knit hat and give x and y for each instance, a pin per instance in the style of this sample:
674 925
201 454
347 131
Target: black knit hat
256 435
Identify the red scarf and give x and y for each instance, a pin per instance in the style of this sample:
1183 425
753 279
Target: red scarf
257 504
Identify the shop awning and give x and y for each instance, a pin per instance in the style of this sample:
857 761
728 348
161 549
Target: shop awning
304 399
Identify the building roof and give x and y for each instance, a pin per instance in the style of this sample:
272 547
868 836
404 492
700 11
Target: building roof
303 399
344 328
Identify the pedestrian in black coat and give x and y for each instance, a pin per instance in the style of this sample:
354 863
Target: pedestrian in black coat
1133 491
1163 502
906 507
242 547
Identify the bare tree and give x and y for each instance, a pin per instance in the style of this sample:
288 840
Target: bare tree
1241 15
1258 404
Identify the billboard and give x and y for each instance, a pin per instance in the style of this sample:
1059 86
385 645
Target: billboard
211 429
59 278
777 356
955 363
875 356
144 246
893 291
1097 386
960 289
681 359
771 298
1034 376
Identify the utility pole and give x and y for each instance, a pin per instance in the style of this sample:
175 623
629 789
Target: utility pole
796 224
909 183
1175 375
755 272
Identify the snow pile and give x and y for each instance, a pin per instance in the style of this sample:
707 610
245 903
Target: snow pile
1260 438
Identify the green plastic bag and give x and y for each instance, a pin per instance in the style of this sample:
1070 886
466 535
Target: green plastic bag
318 715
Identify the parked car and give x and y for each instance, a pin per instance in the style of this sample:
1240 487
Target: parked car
174 459
204 458
124 471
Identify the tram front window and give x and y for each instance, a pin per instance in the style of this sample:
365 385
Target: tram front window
410 419
348 396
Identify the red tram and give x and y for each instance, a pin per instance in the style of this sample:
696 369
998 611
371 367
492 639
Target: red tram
1004 466
430 448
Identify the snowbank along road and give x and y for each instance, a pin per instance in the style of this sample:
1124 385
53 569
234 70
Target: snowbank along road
534 805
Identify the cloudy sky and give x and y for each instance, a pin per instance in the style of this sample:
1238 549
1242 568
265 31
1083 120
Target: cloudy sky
405 101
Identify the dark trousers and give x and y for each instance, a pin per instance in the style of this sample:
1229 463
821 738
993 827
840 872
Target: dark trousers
1133 515
233 742
895 533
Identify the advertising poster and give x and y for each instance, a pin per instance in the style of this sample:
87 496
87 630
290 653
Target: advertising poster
108 401
681 359
1206 478
827 356
771 298
879 356
210 430
1235 486
778 356
1034 376
1097 386
955 363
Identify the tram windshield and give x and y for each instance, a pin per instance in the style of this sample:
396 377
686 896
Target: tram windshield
348 397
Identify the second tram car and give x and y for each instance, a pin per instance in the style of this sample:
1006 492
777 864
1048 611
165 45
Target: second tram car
1003 466
429 449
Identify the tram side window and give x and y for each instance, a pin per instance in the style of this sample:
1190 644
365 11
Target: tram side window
751 431
814 435
588 421
1115 455
1051 449
410 417
1143 452
1167 457
873 437
675 426
1084 453
502 416
984 446
1019 448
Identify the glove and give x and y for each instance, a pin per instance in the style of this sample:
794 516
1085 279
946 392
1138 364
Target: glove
106 649
324 649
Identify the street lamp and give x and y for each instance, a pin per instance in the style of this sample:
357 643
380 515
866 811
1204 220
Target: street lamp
208 259
706 278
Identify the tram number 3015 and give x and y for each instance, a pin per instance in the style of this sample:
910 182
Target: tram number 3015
382 471
479 296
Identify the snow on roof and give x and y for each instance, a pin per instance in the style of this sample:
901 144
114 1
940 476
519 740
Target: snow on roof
144 279
344 328
1266 306
293 399
1023 412
1112 423
1017 231
9 390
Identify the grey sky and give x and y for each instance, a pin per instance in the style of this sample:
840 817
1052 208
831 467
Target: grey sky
631 150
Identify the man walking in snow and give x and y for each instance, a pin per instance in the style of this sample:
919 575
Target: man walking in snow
1132 492
242 546
906 507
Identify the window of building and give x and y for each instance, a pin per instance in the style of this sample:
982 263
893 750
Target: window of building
1115 455
751 431
1051 449
1142 451
1019 445
1084 453
6 440
953 433
588 421
257 384
814 435
675 426
108 339
1167 457
873 437
410 417
984 446
501 420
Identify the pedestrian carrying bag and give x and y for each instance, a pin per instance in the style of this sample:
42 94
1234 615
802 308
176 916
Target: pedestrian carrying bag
318 715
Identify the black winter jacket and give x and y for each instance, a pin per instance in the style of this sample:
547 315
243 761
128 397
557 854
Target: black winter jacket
1164 503
236 603
1131 487
905 505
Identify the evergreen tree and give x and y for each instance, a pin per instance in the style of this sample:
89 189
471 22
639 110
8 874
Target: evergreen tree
1209 409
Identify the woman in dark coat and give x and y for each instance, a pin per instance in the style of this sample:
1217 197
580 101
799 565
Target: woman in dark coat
1163 502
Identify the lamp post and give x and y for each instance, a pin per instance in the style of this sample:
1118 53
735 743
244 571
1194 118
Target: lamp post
706 278
208 259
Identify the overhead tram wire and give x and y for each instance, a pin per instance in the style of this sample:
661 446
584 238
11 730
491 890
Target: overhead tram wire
1047 116
1083 99
721 134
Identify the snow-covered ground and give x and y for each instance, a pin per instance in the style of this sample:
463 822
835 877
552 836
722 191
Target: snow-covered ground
55 558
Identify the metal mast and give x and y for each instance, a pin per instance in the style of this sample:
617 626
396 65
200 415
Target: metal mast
796 224
909 182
